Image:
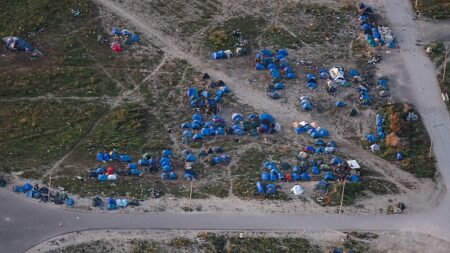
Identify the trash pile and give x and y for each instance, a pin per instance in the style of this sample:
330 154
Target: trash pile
122 37
279 68
313 129
43 194
375 35
254 124
240 47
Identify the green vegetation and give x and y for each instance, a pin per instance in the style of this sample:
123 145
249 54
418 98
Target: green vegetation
126 186
227 243
438 9
221 37
380 186
88 247
35 134
352 192
408 137
279 38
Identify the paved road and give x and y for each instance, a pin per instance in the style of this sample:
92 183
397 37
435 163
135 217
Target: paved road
24 223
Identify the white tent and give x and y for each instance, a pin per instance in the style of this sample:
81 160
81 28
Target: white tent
297 190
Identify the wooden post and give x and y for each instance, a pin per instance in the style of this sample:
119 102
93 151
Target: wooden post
50 180
431 146
342 197
445 67
416 3
190 194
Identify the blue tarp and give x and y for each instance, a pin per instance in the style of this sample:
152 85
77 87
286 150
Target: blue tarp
17 44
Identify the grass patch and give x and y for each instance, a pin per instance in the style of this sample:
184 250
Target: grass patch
88 247
414 141
34 134
280 38
380 186
353 191
18 17
126 186
437 9
221 37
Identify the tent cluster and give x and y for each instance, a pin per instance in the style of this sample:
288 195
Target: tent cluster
110 174
277 64
17 44
313 129
199 129
253 124
375 35
240 47
43 194
122 37
190 158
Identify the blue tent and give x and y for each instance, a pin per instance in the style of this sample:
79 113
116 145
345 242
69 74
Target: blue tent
371 138
329 176
332 144
218 55
265 176
260 187
70 202
283 52
272 66
269 165
135 172
305 176
192 92
116 31
102 177
295 177
197 137
259 66
315 170
340 104
135 38
191 158
291 75
311 78
189 175
125 158
336 160
353 72
266 52
172 176
143 162
266 117
311 85
275 74
167 168
100 157
399 156
279 86
165 161
354 178
112 204
271 189
297 169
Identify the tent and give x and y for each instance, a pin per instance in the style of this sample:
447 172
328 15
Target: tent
218 55
17 44
70 202
297 190
112 204
97 202
260 188
329 176
125 158
305 176
116 47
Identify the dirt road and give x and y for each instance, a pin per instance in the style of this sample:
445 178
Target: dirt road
24 223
